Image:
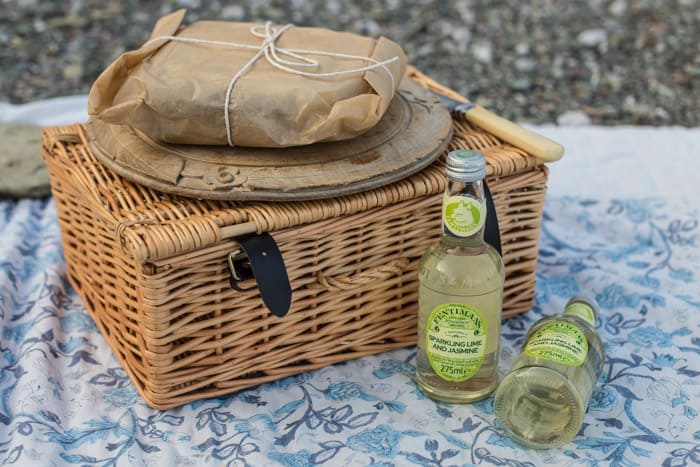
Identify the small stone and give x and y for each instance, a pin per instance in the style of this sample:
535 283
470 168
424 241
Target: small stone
614 81
629 103
142 17
646 6
274 14
663 90
371 28
573 118
233 12
444 26
261 4
618 8
22 171
525 64
461 37
522 48
27 4
520 99
482 51
465 12
193 4
692 70
298 5
592 37
39 25
334 7
68 21
640 111
73 71
522 83
662 114
557 67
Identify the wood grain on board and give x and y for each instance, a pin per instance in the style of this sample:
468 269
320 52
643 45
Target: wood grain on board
413 132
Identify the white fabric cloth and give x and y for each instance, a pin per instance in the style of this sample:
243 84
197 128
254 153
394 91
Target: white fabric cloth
625 161
49 112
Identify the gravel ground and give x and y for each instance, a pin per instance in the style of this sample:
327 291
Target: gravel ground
545 61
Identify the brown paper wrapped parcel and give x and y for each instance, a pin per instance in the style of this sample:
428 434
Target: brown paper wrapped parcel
242 84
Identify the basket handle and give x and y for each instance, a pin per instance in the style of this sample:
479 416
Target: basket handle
384 272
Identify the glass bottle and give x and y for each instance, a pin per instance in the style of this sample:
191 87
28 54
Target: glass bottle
542 399
460 293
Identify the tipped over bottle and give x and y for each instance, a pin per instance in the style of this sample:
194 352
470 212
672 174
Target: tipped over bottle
543 398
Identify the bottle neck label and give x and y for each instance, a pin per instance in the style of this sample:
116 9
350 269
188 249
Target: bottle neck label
582 310
455 341
463 216
559 342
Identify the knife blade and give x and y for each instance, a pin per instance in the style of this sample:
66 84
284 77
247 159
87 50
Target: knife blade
533 143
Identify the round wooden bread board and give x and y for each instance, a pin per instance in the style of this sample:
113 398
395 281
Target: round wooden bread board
413 132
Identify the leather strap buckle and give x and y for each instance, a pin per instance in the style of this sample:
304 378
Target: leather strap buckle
259 258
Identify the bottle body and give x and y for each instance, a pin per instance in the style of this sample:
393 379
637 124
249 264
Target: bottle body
542 400
466 278
460 295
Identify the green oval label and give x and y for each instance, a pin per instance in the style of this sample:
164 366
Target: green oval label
456 341
559 342
462 215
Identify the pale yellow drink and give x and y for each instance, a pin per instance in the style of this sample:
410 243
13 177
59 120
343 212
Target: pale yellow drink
460 294
543 398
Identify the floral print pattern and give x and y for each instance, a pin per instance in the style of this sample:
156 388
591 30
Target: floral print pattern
64 399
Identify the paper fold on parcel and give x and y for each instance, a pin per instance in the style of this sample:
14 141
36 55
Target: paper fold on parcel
175 91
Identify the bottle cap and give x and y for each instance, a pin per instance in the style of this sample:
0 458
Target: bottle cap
583 306
466 166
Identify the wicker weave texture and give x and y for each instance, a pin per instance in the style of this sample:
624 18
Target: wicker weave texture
152 269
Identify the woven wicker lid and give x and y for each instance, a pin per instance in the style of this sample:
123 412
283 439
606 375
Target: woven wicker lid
413 133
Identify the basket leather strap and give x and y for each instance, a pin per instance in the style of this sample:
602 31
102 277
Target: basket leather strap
260 258
492 235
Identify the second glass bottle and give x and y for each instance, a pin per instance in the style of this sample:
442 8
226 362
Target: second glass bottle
460 293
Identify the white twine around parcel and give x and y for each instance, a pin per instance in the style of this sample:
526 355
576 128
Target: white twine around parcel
272 53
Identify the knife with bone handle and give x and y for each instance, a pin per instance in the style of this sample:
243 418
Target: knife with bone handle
533 143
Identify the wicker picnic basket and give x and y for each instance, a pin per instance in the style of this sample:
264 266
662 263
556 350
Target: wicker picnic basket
152 268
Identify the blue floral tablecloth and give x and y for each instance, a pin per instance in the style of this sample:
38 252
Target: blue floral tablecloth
65 400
